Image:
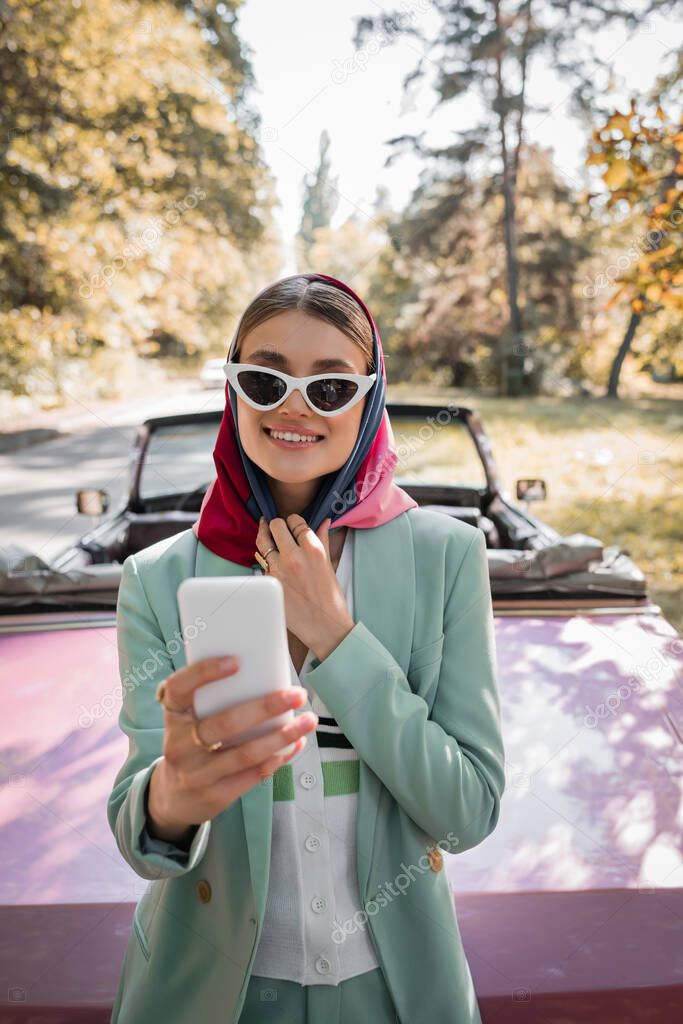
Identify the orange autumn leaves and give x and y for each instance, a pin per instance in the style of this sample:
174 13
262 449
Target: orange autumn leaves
644 175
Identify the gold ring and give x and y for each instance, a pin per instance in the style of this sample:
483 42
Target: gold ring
210 747
159 695
263 559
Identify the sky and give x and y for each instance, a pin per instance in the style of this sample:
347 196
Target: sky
309 77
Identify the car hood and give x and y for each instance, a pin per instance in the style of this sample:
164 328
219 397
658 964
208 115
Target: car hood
583 867
62 750
592 719
592 725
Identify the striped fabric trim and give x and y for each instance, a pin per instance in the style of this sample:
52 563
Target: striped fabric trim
333 739
328 734
339 779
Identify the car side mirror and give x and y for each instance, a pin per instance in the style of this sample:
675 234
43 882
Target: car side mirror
533 489
92 502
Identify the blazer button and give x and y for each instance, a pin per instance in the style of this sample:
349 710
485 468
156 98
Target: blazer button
204 890
435 859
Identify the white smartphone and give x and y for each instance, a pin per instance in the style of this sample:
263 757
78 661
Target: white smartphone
244 616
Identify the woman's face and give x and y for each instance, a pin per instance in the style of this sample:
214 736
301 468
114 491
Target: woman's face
297 343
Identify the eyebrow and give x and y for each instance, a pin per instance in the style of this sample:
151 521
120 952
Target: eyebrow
280 360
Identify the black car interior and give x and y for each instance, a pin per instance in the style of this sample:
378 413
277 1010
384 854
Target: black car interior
147 520
133 531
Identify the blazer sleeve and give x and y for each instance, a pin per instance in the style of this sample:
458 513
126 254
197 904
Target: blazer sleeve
143 662
446 770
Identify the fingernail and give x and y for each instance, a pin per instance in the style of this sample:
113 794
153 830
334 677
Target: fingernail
293 699
228 662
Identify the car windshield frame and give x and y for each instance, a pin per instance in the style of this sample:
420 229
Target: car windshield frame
445 416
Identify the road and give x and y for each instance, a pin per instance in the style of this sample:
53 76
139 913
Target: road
38 484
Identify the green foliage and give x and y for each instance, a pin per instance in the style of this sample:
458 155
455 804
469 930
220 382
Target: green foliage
487 49
131 183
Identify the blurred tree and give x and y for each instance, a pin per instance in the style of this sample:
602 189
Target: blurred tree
134 202
320 199
644 175
449 241
361 252
392 291
488 47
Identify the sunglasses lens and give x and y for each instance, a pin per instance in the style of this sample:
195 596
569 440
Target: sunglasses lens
331 394
265 388
262 388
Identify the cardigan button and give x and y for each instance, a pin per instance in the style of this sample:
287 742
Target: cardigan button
204 890
435 859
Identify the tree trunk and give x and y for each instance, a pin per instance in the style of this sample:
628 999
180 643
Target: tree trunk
511 373
613 385
513 358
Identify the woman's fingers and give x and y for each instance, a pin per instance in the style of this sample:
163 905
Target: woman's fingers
180 741
232 721
230 787
253 752
197 783
180 685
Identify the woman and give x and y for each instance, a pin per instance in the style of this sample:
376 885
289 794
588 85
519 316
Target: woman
300 876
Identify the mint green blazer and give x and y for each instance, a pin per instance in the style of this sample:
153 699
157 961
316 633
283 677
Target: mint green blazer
413 686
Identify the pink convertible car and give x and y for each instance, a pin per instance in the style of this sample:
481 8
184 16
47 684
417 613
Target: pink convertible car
571 911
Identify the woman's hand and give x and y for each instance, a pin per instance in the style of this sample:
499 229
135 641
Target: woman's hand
191 785
315 607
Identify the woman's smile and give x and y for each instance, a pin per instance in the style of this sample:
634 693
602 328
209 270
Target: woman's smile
285 439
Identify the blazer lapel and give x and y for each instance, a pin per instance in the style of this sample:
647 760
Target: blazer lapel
384 600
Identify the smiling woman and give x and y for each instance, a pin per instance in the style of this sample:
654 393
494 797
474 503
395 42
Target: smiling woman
302 327
397 754
299 343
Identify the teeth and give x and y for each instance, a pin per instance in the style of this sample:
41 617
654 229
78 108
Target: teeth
287 436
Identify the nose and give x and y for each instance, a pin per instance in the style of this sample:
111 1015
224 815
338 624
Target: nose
295 403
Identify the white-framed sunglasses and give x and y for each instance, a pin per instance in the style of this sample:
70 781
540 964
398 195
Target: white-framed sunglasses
325 393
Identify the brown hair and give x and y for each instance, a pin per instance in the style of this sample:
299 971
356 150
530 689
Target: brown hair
317 298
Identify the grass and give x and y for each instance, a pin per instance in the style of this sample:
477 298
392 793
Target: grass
612 470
